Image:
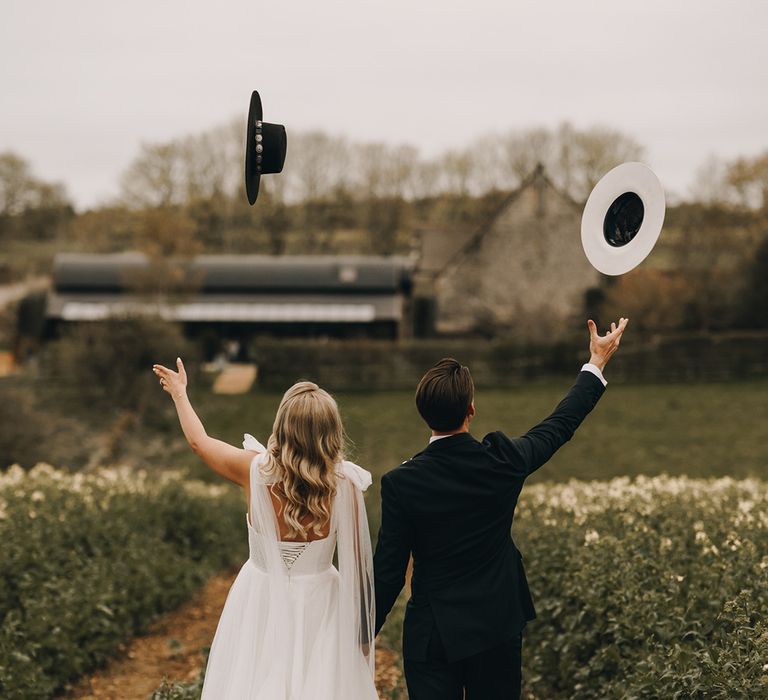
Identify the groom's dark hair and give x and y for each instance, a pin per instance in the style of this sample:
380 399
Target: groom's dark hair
444 395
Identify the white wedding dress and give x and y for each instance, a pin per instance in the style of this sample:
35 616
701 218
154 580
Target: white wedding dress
295 627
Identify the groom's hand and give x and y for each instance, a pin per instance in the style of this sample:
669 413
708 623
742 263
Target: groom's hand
602 347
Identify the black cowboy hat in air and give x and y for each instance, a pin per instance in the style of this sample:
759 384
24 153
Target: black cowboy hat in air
265 147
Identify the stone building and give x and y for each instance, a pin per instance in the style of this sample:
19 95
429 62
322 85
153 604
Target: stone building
522 273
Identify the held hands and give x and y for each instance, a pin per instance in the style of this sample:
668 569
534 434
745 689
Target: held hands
175 383
602 347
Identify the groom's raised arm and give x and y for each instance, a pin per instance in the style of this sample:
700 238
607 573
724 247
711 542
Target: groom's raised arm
532 450
536 447
393 549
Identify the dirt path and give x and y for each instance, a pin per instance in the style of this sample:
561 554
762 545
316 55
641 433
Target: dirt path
12 292
173 649
235 378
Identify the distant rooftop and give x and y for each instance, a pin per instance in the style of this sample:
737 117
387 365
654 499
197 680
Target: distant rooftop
238 288
241 273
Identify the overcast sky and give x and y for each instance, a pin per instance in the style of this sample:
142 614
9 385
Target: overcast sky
84 82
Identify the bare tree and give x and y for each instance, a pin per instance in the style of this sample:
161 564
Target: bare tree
489 167
710 186
522 151
426 179
156 177
370 161
105 229
318 165
583 157
205 167
749 179
30 207
168 238
575 159
21 191
458 168
401 171
15 179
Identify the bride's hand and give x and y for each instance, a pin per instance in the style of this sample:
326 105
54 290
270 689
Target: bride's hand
175 383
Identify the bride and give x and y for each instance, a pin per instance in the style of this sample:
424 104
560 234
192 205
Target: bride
294 626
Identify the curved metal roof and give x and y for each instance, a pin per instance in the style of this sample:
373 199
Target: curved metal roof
238 273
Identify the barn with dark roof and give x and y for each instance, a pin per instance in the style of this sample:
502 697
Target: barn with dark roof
244 295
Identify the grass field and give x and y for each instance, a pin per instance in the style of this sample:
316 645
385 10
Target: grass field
699 430
693 429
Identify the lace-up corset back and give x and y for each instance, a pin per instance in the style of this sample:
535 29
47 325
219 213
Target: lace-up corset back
299 558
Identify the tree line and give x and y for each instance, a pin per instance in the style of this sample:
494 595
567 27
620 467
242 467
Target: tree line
29 206
201 176
185 196
324 167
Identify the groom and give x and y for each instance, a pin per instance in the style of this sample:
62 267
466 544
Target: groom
451 507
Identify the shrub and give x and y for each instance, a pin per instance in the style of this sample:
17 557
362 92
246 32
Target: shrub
106 366
647 588
87 560
169 690
30 434
30 316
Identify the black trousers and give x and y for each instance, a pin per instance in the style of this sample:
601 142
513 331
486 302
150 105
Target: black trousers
493 674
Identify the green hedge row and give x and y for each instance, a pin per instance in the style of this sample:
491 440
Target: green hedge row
86 560
647 588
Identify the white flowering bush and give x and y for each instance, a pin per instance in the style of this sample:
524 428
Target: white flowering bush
647 588
87 560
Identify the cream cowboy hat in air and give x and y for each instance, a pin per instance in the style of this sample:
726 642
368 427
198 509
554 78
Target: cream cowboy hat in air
622 218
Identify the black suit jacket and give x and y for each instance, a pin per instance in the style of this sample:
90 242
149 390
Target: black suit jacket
452 505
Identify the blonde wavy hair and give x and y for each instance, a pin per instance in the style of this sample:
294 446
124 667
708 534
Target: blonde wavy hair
307 441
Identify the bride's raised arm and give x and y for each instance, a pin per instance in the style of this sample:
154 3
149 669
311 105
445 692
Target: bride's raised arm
226 460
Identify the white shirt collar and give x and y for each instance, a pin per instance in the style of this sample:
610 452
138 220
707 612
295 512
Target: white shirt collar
440 437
